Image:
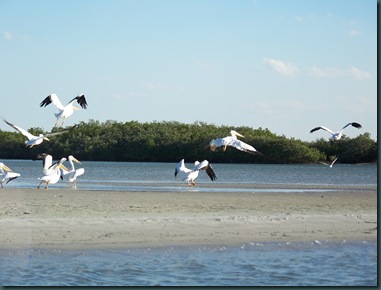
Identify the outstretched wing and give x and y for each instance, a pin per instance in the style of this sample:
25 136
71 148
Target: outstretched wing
181 168
21 130
205 165
242 146
52 99
323 128
81 100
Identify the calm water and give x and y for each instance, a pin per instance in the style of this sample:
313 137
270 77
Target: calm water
138 176
343 263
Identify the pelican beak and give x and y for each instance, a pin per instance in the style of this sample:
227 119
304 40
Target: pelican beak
6 168
76 160
238 134
46 138
63 167
75 108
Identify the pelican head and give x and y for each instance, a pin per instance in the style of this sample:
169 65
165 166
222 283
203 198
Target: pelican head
72 158
235 133
3 166
196 163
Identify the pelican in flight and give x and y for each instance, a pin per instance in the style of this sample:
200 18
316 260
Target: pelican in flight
32 139
54 173
10 175
232 141
71 177
338 134
64 111
330 165
190 175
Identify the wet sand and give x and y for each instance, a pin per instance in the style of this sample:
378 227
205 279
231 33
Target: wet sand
81 219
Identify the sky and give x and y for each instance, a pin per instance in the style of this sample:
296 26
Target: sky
287 66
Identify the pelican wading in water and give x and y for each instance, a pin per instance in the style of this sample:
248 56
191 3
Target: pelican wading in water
32 139
10 175
71 177
233 142
330 165
64 111
190 175
54 173
338 134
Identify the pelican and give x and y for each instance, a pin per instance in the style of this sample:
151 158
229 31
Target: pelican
190 175
330 165
233 142
71 177
32 139
54 175
64 111
47 161
10 175
338 134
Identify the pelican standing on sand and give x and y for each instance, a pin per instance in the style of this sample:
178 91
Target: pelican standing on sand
32 139
190 175
64 111
233 142
10 175
71 177
338 134
54 174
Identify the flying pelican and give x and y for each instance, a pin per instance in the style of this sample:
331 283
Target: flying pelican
10 175
54 174
190 175
338 134
71 177
233 142
64 111
32 139
330 165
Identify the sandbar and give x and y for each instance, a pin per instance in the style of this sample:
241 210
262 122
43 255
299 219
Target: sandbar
61 218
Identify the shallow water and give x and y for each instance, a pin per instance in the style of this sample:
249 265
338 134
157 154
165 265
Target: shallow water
319 263
138 176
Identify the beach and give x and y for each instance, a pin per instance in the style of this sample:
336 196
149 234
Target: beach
61 218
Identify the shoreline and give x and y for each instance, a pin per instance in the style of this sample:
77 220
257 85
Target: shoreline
65 219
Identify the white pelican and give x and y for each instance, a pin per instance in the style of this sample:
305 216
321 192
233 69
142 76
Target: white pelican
330 165
190 175
233 142
47 161
64 111
71 177
10 175
32 139
338 134
54 174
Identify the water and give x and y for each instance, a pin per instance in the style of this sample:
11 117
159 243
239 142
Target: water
315 263
272 264
136 176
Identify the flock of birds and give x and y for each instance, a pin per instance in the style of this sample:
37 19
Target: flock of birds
53 172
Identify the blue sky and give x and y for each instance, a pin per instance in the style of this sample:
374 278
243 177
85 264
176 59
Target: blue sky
288 66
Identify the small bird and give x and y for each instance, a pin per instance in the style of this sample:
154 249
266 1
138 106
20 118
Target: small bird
64 111
71 177
32 139
330 165
232 141
338 134
10 175
190 175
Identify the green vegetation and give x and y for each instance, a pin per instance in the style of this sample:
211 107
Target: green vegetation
172 141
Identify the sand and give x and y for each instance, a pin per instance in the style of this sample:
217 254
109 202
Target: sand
80 219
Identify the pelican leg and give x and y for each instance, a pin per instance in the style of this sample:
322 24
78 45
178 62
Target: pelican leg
56 122
47 185
2 185
63 121
75 184
38 187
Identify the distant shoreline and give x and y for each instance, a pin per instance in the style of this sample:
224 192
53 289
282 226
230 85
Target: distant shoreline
94 219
